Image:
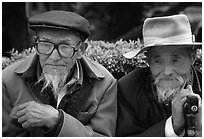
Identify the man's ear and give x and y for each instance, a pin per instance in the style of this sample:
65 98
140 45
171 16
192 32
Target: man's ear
35 38
82 49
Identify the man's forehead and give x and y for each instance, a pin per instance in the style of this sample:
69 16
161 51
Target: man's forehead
167 50
58 33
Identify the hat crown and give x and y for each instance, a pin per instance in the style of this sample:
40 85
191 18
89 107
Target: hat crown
166 30
60 20
172 31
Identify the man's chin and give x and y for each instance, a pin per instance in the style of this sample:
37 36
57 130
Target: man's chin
54 81
167 90
166 95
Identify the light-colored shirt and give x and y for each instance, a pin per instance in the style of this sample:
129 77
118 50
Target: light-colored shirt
169 130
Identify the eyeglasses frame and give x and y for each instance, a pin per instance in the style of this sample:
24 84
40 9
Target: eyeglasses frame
56 46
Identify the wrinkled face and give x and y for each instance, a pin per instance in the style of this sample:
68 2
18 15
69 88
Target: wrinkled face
56 62
170 68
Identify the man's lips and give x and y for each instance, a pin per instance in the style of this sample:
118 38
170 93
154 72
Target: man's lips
167 80
54 65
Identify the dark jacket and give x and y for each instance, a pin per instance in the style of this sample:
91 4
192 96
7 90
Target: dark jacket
139 113
90 110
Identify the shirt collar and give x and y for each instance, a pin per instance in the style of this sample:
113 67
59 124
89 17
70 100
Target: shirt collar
77 76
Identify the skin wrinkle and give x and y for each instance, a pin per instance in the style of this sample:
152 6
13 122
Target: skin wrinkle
55 68
170 69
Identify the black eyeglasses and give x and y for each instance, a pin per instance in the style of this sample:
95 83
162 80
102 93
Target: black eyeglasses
46 48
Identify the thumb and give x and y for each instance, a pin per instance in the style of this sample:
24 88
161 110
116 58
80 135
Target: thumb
189 87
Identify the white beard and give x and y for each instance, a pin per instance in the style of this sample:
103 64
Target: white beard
168 87
53 78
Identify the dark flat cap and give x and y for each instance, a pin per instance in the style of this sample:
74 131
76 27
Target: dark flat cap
61 20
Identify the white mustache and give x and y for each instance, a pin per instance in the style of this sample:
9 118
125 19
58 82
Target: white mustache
162 77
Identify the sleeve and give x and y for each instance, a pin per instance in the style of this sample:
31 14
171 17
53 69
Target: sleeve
53 132
169 131
10 126
102 124
128 124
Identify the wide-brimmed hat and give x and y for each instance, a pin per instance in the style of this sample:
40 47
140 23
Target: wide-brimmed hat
60 20
171 31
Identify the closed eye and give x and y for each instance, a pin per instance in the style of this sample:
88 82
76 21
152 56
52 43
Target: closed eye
156 59
175 58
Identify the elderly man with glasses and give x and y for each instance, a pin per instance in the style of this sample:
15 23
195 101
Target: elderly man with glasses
57 91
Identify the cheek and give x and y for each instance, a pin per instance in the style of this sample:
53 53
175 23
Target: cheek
42 60
69 62
183 68
155 71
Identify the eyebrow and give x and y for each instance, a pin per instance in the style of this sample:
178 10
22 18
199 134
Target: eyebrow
156 56
48 39
43 38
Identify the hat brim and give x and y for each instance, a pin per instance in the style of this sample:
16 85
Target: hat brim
136 52
36 27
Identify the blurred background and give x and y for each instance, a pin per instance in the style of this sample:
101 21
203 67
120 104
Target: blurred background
110 21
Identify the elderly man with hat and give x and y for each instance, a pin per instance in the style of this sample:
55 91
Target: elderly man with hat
152 101
57 91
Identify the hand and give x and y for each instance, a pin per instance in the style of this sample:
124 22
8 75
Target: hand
177 110
33 114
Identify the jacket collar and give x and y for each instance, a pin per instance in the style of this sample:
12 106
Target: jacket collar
28 67
90 68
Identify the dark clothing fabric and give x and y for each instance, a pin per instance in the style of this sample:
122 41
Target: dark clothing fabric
88 108
139 113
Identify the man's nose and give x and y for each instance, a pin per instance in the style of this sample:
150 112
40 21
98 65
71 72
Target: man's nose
54 55
168 69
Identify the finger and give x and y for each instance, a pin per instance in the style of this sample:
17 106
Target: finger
22 119
22 106
179 101
32 123
195 95
182 94
184 99
189 87
26 124
198 96
21 113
